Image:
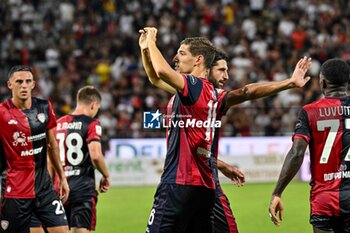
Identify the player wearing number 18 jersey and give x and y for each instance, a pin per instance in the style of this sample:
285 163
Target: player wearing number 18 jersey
78 136
324 125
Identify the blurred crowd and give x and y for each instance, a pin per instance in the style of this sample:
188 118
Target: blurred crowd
71 43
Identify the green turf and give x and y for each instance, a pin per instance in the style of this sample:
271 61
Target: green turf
126 209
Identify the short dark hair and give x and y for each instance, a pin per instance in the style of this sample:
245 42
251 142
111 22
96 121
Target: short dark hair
219 55
19 68
336 71
201 46
88 94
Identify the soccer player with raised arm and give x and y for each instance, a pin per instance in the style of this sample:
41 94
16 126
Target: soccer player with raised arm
190 165
324 126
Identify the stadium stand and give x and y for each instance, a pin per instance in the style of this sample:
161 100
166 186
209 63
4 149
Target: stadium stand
72 43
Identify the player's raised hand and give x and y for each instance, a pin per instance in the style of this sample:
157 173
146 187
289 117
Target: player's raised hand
151 34
276 207
298 78
104 184
142 40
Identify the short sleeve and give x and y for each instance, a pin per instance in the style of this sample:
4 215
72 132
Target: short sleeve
302 129
222 96
192 89
94 131
52 117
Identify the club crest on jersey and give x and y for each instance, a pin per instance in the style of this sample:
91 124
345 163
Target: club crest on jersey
41 117
4 224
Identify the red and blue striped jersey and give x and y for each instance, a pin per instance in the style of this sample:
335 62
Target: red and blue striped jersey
23 148
73 134
193 119
325 124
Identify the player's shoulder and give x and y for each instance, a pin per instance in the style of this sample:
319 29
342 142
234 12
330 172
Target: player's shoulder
328 102
5 106
65 118
40 101
194 79
84 119
315 104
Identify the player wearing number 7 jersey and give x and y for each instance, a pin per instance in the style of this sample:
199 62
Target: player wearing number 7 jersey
78 136
324 125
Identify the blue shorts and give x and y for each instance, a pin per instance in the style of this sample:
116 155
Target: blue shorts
16 213
182 208
82 214
224 221
331 223
35 223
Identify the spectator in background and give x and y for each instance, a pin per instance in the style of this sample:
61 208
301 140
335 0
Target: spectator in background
81 30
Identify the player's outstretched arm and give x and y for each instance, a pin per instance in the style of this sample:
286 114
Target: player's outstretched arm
54 155
231 172
291 166
98 160
161 67
258 90
146 61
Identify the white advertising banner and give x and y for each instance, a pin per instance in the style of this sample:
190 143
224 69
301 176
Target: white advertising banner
140 161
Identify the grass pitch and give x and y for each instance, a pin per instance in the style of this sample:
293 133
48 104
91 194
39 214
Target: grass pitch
126 209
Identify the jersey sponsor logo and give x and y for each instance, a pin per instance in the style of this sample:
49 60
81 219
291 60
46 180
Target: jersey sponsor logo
19 138
4 224
202 151
69 125
75 172
31 151
22 139
12 122
36 137
41 117
336 175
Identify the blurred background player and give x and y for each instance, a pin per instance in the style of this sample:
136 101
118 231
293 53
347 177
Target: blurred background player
26 139
78 136
323 126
